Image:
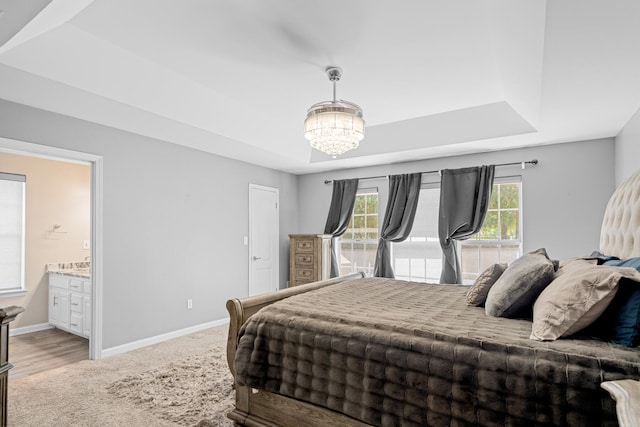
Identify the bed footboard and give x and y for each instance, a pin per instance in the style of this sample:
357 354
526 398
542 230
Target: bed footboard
241 309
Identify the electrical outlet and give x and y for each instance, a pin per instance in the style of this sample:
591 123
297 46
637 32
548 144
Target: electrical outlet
189 304
85 244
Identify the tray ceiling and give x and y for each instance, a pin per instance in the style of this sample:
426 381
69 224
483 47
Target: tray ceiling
235 78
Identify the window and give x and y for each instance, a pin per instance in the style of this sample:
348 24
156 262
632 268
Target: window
419 257
359 243
12 203
500 239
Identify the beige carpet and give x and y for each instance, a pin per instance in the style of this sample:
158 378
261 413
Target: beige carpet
181 382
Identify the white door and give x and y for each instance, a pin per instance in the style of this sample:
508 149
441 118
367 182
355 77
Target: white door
263 239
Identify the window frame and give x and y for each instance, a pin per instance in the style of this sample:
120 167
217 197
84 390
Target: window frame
6 292
493 242
342 239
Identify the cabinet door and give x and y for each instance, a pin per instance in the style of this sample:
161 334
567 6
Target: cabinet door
86 326
59 308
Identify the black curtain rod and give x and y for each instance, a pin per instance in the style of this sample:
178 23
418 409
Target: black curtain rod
530 162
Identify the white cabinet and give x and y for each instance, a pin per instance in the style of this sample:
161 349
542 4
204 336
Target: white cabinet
70 303
59 308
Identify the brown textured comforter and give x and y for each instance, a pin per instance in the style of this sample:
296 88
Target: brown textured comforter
389 352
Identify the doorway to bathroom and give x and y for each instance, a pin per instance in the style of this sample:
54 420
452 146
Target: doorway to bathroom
63 211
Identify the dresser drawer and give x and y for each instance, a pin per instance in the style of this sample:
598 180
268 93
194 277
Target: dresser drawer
76 285
304 245
304 273
304 259
75 322
76 304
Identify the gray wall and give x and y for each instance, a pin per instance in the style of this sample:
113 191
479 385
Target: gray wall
628 149
564 196
174 221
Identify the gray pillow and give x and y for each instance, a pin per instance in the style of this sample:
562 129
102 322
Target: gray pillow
477 295
516 290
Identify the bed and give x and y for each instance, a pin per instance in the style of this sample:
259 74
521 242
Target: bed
358 351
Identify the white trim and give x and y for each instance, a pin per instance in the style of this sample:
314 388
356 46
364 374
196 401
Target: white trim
367 190
12 293
95 162
124 348
46 151
97 180
29 329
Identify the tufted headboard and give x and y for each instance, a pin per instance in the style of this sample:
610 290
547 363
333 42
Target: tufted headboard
620 233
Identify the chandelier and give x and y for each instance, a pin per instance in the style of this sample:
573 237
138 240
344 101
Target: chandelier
334 127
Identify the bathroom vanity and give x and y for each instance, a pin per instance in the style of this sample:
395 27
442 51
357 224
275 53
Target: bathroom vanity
70 298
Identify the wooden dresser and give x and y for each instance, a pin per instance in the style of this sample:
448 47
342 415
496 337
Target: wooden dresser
309 258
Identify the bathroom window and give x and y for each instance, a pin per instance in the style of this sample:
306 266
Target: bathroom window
12 228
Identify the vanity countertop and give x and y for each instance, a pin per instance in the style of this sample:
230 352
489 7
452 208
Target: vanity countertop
76 269
84 273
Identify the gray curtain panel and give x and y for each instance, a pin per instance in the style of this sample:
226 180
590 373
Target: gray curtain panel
342 200
404 191
464 199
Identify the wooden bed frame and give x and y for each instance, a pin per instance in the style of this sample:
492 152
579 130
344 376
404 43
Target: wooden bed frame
256 408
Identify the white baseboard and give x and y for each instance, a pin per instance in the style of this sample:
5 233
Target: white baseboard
107 352
28 329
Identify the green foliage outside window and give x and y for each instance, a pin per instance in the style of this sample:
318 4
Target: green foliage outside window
503 218
364 221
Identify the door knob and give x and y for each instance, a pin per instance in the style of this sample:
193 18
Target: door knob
255 258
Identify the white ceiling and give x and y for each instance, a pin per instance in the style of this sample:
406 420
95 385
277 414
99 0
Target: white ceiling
235 77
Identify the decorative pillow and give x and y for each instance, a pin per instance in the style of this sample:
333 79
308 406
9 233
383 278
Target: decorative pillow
631 262
477 295
516 290
576 298
620 322
601 258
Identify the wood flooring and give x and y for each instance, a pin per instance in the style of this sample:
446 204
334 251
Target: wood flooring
43 350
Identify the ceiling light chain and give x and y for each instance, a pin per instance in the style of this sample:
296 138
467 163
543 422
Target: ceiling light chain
334 127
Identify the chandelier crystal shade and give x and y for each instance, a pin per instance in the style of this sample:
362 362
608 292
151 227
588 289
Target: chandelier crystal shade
334 127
